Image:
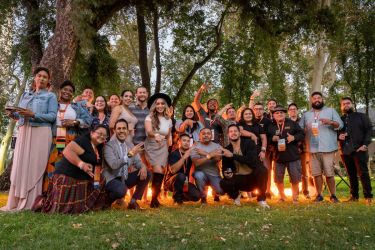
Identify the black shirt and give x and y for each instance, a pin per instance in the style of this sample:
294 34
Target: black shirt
89 156
359 129
291 153
255 129
173 158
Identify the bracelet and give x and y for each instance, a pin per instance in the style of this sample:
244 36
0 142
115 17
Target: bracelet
130 154
263 149
81 164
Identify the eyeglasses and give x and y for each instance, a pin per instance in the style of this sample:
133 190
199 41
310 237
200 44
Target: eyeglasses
101 134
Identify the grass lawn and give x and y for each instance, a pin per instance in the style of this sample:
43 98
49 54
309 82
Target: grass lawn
216 226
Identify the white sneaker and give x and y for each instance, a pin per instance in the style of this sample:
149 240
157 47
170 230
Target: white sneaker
263 204
237 201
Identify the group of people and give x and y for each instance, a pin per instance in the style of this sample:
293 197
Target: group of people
75 154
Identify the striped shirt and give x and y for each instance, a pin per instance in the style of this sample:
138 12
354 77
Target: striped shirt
140 114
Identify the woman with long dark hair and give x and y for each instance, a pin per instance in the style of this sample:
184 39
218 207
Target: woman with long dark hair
189 124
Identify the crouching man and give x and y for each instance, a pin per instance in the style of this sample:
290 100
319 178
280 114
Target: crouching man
178 179
242 169
123 168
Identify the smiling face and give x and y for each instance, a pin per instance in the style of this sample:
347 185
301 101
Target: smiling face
205 136
212 105
346 106
88 95
66 93
100 103
189 113
233 133
98 136
114 101
317 101
41 80
292 111
279 116
160 105
121 131
141 94
127 98
247 116
271 105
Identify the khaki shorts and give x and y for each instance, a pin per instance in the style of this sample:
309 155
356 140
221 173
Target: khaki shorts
323 163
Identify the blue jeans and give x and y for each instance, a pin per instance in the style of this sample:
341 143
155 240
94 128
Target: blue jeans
202 180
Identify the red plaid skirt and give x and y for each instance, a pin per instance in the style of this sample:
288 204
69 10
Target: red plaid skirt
71 196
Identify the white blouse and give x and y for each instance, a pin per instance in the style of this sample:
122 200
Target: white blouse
164 125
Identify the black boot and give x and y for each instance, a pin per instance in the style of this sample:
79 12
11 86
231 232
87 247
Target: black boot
157 181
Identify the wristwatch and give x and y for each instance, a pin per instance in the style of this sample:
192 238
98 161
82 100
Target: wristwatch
263 149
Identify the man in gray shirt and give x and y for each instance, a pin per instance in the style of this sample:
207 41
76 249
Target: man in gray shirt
206 156
321 125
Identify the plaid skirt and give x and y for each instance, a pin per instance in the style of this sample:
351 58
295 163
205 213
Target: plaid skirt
71 196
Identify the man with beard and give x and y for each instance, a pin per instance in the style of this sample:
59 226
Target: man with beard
206 156
321 124
264 122
177 178
208 118
140 111
354 138
242 169
271 104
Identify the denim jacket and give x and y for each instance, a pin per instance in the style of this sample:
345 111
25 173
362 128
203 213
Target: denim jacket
83 116
43 104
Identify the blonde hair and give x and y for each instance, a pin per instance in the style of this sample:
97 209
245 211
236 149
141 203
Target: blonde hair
155 122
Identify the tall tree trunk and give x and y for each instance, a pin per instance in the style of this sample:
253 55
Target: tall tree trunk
62 48
320 56
142 42
150 60
155 26
33 31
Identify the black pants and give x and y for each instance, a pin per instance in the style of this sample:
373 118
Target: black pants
256 180
356 165
175 184
117 188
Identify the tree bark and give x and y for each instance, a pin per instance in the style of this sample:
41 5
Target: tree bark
62 48
155 25
142 43
198 65
33 31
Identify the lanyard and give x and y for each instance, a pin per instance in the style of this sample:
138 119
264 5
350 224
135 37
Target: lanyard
96 152
62 112
185 162
316 115
282 128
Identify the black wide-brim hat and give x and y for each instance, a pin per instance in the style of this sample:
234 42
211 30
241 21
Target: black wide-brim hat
279 108
156 96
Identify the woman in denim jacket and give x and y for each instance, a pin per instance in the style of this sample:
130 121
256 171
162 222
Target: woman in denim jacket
35 120
73 120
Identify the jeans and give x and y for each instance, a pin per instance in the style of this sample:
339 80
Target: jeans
202 180
356 165
117 188
175 184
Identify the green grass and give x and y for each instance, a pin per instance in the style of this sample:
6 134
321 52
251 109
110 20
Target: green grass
216 226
